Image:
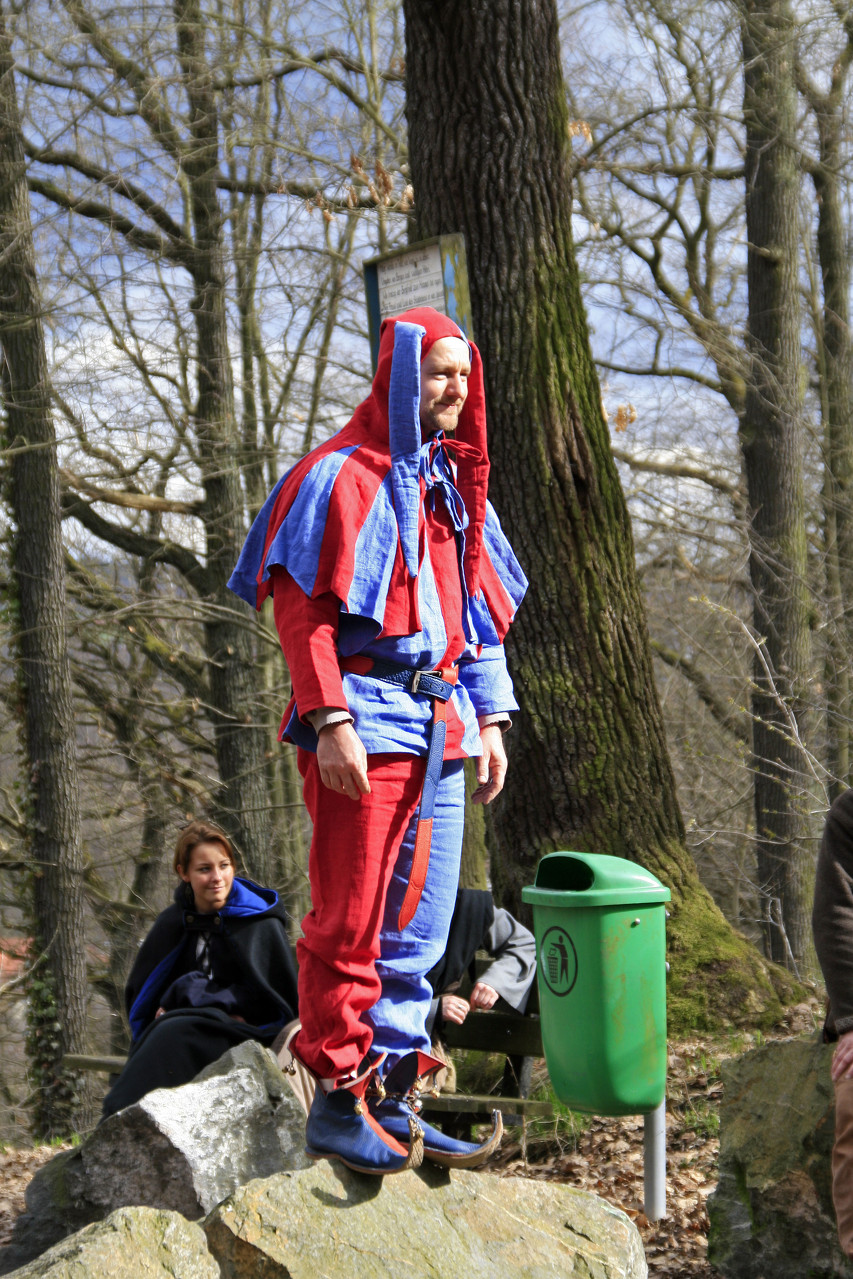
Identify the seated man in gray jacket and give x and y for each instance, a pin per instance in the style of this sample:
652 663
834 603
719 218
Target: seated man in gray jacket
478 924
832 921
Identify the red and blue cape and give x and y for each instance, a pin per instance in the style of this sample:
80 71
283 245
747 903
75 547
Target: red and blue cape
349 520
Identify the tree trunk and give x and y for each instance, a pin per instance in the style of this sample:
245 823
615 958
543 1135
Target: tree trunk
57 992
474 870
836 352
128 924
239 731
588 762
771 439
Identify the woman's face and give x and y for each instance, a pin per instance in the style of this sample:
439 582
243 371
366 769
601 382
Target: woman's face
210 874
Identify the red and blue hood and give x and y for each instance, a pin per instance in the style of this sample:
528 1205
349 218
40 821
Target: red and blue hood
355 530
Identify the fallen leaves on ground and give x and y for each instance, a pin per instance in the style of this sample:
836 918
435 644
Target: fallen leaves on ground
607 1156
16 1170
608 1161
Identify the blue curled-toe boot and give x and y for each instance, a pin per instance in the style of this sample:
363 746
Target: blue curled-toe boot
340 1126
397 1098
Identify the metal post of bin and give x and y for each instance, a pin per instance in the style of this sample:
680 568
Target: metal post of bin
654 1163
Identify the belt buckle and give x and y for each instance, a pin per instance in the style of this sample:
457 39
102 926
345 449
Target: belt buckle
416 679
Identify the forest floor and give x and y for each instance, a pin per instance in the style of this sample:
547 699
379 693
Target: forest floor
606 1155
18 1164
601 1155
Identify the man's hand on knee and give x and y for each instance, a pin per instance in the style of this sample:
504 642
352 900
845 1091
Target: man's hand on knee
454 1008
342 760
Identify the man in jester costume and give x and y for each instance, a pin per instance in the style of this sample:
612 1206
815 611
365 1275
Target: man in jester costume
393 587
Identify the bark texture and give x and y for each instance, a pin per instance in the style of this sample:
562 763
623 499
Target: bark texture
57 991
771 439
835 353
240 734
589 768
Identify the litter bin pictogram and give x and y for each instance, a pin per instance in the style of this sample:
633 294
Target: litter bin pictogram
560 970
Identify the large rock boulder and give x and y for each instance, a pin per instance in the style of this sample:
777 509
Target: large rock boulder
771 1215
133 1243
183 1149
186 1149
329 1221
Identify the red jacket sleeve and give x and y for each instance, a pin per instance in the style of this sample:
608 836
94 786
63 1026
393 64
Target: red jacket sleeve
308 631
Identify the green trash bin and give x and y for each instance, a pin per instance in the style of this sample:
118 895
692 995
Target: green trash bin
600 948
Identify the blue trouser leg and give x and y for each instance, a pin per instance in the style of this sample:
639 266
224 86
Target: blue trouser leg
398 1018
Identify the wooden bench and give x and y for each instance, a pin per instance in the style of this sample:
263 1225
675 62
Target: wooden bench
520 1040
94 1062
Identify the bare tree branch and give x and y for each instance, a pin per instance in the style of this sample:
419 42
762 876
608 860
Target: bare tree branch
149 548
726 715
156 245
135 501
679 470
114 182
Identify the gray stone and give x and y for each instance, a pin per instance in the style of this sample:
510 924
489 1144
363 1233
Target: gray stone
178 1148
142 1243
771 1215
426 1225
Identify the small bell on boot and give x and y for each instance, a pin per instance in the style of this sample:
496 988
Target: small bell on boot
395 1100
303 1082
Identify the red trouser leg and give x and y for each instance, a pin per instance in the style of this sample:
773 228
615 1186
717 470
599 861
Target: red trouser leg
353 851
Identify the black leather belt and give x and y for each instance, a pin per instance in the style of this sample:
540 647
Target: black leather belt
428 683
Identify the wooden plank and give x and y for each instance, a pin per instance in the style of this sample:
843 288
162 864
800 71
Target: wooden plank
82 1061
496 1033
479 1104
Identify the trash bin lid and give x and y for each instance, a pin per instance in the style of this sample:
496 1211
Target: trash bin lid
579 880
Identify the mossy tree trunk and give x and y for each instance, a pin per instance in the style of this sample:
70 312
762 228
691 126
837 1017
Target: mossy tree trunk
57 982
474 872
239 731
589 768
835 354
772 443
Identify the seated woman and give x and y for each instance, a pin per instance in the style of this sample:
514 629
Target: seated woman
215 970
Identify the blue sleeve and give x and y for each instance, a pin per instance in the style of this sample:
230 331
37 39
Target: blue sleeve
487 682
